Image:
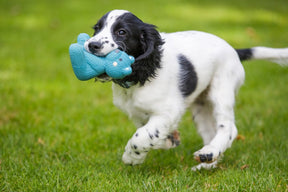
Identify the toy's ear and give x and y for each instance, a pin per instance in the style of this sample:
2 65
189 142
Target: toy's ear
150 39
82 38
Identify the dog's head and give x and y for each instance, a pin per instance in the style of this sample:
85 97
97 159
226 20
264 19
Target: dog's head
120 29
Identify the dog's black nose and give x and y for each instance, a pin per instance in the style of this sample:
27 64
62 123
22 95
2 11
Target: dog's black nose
94 46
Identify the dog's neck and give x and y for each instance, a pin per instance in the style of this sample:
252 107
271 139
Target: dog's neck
124 84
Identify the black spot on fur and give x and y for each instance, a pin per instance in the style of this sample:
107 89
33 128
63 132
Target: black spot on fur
188 76
157 133
135 146
173 140
206 157
209 157
244 54
203 158
137 152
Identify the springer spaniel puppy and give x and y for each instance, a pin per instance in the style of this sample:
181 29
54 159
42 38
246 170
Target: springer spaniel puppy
174 72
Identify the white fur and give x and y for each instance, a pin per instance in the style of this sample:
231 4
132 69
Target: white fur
160 105
105 34
279 56
157 107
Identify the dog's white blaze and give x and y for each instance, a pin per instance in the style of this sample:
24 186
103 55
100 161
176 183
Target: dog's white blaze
106 34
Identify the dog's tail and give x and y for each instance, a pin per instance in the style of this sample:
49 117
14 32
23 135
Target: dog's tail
276 55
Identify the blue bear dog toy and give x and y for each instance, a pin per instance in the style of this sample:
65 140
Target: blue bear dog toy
117 64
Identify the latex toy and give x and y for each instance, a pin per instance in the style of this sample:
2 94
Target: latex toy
117 64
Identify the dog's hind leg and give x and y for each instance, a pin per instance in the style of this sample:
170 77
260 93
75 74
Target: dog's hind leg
205 122
221 95
202 112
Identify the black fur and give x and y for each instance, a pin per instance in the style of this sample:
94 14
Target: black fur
188 77
140 40
244 54
143 42
100 24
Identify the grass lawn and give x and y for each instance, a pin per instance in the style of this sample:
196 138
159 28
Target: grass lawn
60 134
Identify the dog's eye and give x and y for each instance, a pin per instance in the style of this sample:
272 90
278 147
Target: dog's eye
121 32
96 29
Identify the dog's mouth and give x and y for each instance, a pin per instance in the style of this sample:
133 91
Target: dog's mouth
99 54
103 78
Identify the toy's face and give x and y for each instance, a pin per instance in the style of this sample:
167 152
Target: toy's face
116 30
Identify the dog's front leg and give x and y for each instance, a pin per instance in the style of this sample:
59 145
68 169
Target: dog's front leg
158 133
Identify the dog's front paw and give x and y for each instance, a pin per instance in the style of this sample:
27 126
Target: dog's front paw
132 156
207 154
131 159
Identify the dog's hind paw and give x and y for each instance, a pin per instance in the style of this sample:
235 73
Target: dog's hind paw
206 166
207 154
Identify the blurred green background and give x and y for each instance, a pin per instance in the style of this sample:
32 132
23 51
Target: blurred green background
60 134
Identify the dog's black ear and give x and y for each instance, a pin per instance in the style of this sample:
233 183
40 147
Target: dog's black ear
150 40
147 63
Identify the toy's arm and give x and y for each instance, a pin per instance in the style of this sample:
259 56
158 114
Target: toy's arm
85 65
81 61
118 64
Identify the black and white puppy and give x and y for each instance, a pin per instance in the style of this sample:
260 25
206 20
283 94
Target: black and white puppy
174 72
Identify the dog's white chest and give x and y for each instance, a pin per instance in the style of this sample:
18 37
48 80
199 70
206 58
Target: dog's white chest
127 101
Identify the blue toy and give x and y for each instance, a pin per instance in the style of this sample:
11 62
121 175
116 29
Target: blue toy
117 64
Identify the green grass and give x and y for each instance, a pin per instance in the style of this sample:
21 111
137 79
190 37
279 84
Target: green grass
60 134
